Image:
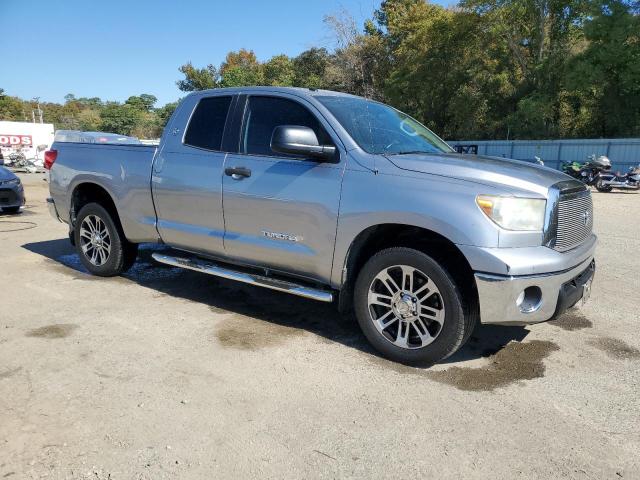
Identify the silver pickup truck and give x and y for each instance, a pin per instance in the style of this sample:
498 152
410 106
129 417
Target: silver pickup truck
338 198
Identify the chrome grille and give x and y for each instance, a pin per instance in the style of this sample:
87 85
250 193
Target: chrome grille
574 220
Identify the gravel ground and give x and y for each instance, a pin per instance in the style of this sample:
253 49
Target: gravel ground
164 373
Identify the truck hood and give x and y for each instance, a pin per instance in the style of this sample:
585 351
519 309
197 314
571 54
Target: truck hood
492 171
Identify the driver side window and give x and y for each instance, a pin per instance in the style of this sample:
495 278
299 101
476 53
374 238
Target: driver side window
264 114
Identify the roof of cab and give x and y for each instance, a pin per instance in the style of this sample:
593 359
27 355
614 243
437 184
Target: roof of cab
300 91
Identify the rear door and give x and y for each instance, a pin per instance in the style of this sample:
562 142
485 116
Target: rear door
281 211
187 175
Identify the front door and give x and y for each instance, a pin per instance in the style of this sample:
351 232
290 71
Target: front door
187 176
281 211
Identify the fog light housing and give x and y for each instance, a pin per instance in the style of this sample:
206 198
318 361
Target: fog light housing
529 299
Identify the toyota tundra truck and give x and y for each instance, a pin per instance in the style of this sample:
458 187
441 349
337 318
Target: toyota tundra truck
335 198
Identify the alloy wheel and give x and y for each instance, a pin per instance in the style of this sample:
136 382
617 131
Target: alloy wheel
406 306
95 240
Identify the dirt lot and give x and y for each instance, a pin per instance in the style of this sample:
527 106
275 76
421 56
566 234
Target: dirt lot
164 373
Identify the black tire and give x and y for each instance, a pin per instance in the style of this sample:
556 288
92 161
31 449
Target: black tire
454 331
472 319
11 210
603 188
122 253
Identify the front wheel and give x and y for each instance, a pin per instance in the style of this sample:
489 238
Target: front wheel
409 307
601 187
101 244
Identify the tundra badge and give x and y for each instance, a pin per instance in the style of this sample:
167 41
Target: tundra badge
282 236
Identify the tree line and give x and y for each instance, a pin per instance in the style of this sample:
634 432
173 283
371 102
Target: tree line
137 116
484 69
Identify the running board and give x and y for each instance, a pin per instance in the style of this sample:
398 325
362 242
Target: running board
244 277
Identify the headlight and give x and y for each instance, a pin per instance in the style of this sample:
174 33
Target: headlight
13 181
512 213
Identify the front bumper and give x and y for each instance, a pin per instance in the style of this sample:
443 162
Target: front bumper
11 197
552 294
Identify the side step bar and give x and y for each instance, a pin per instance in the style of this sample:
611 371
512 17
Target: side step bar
244 277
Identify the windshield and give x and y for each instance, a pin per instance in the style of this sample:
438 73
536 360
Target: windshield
380 129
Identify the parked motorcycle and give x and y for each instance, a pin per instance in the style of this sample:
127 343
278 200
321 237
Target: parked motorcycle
19 160
589 171
597 172
15 159
607 180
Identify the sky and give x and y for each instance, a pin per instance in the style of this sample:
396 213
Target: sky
113 49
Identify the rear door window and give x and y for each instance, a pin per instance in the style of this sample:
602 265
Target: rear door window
206 127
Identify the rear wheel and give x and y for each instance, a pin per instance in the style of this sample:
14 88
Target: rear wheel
100 242
409 307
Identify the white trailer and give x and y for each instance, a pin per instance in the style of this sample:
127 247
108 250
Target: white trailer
25 137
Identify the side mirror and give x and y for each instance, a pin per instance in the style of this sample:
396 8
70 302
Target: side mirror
298 140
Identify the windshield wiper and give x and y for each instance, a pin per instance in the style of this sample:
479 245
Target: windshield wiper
408 152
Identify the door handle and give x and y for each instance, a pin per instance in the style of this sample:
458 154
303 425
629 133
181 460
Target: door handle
237 173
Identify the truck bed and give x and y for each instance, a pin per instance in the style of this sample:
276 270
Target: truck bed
124 171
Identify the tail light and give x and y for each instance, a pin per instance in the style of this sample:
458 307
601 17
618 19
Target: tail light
49 158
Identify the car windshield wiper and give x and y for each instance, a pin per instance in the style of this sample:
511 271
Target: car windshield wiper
408 152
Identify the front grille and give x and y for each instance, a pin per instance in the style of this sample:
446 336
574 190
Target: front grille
7 196
574 220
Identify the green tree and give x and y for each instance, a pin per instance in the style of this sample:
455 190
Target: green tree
89 120
438 67
537 38
604 79
279 71
144 102
121 119
197 78
243 58
147 126
137 116
165 112
240 69
358 64
11 108
91 102
309 68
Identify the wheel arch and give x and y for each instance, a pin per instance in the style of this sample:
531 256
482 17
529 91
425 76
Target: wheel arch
378 237
91 192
